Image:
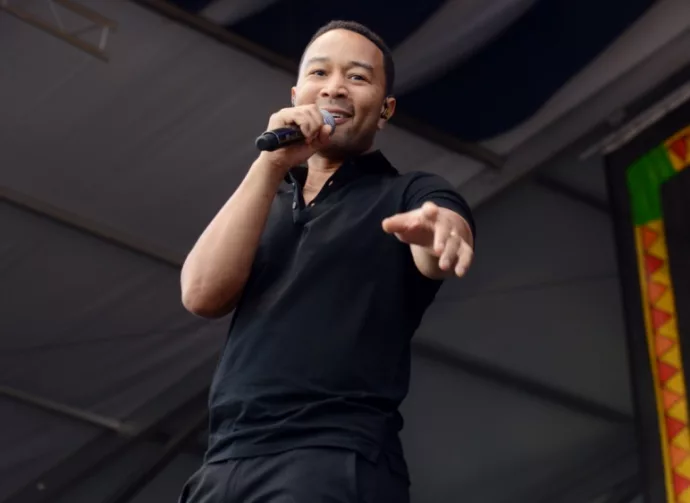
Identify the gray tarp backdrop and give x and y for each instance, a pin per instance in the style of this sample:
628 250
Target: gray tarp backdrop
110 169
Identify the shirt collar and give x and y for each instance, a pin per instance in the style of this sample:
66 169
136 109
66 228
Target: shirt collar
369 163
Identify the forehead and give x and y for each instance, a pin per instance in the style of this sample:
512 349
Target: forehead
344 45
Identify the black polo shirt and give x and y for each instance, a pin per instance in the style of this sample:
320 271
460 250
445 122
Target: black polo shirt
318 351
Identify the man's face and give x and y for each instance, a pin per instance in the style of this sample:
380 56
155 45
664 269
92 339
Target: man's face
343 72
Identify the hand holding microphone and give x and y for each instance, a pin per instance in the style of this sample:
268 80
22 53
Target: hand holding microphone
294 134
283 136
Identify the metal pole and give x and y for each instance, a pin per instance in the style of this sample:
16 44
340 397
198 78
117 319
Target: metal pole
91 228
143 476
82 415
50 485
573 193
520 383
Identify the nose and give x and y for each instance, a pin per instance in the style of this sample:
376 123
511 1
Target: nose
334 86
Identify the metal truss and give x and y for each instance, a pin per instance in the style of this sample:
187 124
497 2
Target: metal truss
639 123
75 413
567 190
58 27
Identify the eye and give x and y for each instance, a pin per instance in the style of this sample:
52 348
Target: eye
358 77
318 72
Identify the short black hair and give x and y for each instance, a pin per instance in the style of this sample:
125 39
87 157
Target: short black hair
354 26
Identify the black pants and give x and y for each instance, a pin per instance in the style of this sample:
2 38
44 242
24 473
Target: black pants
314 475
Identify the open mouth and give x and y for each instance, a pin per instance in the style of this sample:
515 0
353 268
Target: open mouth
340 116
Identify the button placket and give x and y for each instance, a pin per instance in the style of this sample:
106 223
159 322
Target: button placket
295 203
321 195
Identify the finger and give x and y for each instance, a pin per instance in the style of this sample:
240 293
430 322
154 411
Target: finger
315 111
309 120
398 223
315 119
465 256
323 137
430 211
315 115
442 232
306 124
449 256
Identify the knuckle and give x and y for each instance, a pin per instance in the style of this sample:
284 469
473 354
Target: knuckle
280 117
316 114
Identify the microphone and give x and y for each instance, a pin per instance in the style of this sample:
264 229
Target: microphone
284 136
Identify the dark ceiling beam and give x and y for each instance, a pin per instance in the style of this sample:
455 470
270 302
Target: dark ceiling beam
470 149
138 481
592 470
634 91
187 397
520 383
64 410
592 114
573 193
627 491
89 227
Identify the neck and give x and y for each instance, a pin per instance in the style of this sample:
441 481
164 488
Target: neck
319 165
320 170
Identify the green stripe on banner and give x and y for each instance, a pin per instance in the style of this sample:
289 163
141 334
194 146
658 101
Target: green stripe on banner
645 177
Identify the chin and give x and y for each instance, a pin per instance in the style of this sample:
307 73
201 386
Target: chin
345 147
338 150
333 152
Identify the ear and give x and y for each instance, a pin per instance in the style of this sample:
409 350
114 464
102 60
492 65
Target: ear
292 95
387 111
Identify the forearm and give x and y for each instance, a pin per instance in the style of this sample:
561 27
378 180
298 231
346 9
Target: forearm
217 268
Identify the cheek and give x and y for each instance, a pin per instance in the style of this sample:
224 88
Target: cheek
305 95
369 121
369 112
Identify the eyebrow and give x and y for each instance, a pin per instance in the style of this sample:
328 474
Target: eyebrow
322 59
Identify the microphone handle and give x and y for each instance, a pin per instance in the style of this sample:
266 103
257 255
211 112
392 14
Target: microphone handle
284 136
277 138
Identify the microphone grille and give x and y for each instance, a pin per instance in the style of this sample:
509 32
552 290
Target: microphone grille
328 119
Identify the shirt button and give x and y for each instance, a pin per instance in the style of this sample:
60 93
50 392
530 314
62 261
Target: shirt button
330 183
311 205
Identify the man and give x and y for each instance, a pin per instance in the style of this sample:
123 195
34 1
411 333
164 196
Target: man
330 258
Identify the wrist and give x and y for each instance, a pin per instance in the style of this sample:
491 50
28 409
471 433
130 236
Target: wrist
270 167
272 162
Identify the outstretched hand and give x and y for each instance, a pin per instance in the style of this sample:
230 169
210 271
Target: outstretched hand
438 237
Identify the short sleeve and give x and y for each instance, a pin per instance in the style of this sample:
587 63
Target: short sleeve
423 187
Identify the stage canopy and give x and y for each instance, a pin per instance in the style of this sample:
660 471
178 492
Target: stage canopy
119 142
